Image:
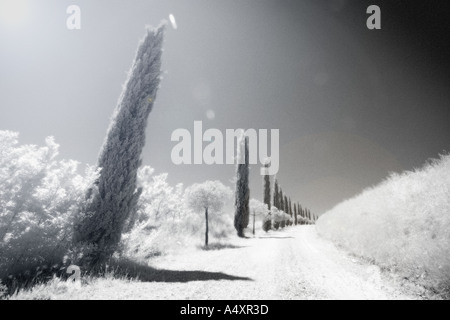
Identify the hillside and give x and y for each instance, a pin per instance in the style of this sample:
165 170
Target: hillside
402 225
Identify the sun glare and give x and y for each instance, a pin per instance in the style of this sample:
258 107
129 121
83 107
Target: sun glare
13 12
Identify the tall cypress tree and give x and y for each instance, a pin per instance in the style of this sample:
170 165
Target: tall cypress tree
276 204
300 212
114 195
295 214
281 200
290 207
286 205
242 213
267 188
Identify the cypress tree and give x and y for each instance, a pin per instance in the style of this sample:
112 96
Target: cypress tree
290 207
281 200
276 204
300 212
242 213
267 188
295 214
114 195
286 205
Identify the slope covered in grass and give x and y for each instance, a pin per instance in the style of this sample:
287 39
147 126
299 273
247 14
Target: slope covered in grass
402 224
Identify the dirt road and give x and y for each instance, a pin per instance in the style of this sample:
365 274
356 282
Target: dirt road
291 264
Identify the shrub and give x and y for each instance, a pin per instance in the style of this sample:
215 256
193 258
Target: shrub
38 198
402 224
267 223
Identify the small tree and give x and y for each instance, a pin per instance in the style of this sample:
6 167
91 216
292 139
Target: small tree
208 196
277 217
257 208
267 222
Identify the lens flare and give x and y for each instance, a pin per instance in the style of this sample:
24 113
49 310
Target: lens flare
173 21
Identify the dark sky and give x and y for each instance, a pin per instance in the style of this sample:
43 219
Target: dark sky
351 104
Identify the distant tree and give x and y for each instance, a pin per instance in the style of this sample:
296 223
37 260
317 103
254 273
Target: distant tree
277 217
300 213
290 208
267 223
209 197
295 214
257 208
267 187
114 195
276 197
241 217
281 201
276 225
286 205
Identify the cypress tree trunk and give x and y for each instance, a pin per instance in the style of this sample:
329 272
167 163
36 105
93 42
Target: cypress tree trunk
241 216
114 195
207 228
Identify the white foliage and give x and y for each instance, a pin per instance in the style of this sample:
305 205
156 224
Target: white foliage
259 209
166 223
208 195
38 197
403 223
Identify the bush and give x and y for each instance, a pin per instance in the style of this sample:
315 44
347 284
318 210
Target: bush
38 198
402 224
267 223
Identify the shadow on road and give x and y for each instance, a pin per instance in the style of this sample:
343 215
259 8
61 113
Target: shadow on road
145 273
220 246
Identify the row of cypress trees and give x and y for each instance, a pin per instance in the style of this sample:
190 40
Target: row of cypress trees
282 202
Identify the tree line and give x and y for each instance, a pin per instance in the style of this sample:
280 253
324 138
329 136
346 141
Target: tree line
280 212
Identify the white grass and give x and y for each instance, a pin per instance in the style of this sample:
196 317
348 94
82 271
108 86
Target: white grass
403 224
